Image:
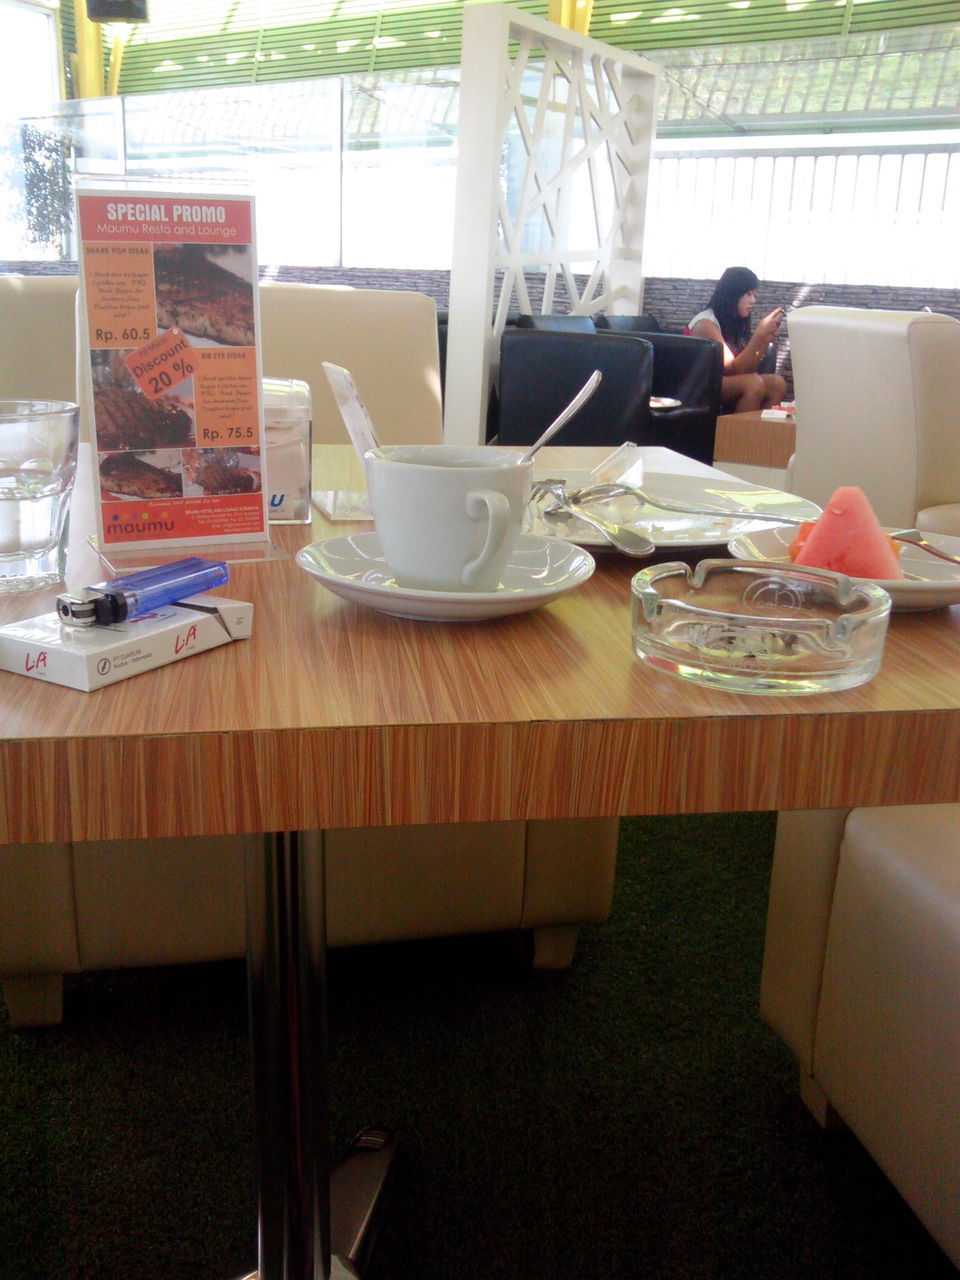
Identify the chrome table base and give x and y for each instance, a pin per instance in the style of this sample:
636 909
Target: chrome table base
286 971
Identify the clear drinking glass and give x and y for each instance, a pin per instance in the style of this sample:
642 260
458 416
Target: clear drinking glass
38 463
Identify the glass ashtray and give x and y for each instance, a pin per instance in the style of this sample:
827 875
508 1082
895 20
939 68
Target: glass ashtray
752 628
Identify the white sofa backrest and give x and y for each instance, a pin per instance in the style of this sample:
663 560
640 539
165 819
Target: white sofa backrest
386 338
37 338
878 406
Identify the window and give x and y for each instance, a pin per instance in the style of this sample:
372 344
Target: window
34 178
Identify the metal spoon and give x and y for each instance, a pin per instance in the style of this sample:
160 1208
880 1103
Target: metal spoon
597 492
578 401
624 539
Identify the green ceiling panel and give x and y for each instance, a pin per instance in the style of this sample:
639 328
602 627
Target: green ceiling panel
219 40
729 64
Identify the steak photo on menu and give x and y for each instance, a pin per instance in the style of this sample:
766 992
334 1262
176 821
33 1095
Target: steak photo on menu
202 298
126 419
222 471
131 475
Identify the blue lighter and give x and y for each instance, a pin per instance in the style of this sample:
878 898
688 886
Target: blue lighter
128 597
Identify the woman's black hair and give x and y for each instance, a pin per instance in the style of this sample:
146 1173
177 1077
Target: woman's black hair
730 288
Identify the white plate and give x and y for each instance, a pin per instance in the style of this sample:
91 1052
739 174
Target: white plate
354 567
664 402
932 583
675 529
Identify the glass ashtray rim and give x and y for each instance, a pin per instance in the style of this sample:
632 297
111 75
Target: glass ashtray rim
859 601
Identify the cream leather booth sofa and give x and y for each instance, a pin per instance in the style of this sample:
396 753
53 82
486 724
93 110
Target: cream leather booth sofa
861 978
878 406
107 905
38 341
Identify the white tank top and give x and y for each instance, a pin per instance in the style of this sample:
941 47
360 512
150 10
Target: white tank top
705 314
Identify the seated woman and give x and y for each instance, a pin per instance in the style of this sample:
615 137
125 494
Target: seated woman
726 319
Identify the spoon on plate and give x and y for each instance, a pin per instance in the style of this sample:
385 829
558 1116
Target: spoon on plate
598 492
627 540
578 401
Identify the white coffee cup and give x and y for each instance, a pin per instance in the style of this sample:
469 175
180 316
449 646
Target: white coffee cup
448 516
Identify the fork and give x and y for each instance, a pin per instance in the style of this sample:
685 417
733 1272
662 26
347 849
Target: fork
917 539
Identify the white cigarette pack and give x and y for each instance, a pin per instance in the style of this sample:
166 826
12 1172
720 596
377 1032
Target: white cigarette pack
88 658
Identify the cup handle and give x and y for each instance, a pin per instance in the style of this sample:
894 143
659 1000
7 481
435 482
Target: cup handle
496 507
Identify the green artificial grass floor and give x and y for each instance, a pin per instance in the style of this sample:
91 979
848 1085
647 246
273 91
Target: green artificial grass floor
631 1117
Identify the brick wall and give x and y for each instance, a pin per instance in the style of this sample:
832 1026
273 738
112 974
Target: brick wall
672 301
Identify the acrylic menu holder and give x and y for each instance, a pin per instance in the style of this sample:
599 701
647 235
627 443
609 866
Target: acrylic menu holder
121 561
169 339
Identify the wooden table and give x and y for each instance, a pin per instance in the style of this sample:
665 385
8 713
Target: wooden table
753 440
332 715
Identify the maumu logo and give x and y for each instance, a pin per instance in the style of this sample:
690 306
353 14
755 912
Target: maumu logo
33 664
112 532
184 640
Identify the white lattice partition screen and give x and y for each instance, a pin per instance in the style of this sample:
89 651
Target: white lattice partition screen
555 137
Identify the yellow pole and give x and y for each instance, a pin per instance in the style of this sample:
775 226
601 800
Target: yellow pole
89 54
575 15
116 61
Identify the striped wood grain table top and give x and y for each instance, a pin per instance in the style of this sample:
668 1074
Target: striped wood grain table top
336 715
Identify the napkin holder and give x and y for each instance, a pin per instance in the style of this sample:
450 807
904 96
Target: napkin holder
287 415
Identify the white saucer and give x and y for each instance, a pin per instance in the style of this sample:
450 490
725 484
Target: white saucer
932 583
354 567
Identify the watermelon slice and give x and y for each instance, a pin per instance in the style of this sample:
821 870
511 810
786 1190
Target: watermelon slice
848 539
